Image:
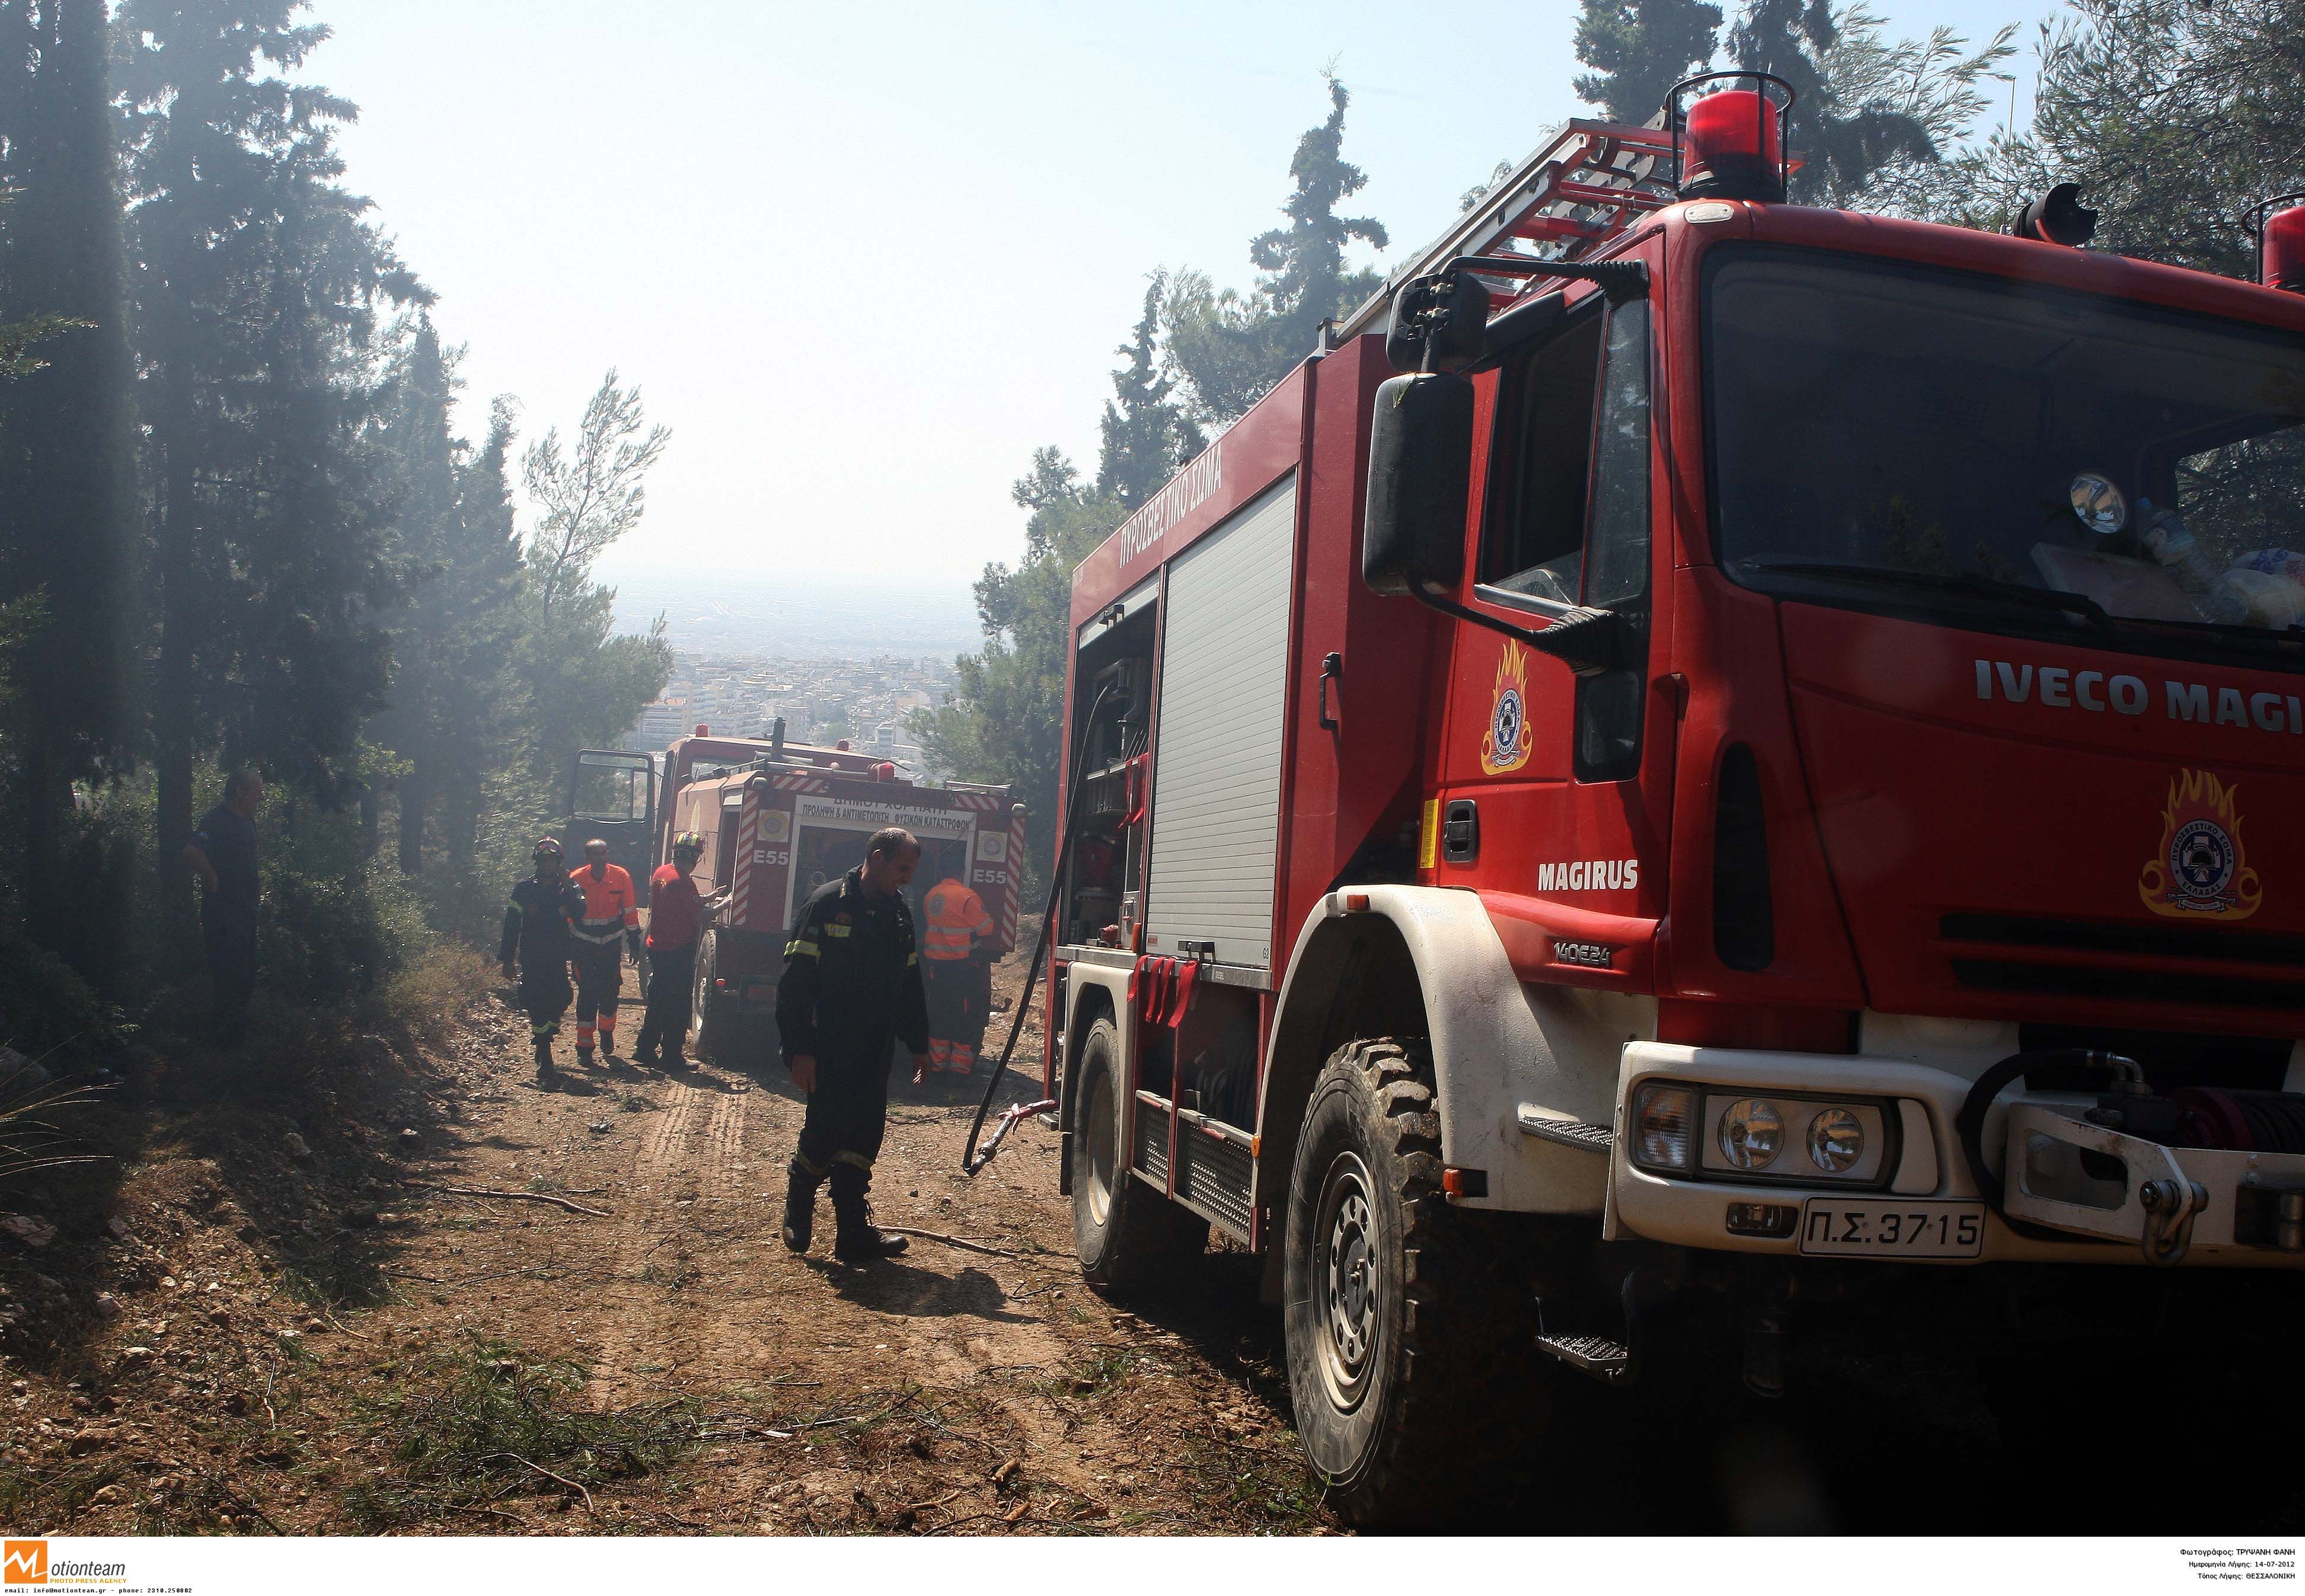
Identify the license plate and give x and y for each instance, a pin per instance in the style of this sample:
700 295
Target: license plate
1872 1227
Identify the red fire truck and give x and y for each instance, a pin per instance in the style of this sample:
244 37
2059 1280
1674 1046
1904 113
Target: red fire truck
781 819
1698 747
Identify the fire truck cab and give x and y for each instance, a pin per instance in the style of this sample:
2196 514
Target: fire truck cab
1761 742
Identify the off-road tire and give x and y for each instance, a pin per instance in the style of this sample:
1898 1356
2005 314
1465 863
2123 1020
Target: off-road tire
1124 1233
712 1013
1406 1357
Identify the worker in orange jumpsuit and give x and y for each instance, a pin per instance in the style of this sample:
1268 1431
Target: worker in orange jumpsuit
957 975
609 928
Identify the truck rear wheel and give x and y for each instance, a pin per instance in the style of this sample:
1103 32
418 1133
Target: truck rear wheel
1400 1328
1123 1230
712 1018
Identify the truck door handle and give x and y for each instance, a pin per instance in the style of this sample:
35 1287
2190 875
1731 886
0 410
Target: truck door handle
1460 831
1332 666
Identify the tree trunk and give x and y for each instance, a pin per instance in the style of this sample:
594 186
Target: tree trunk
174 705
460 817
412 795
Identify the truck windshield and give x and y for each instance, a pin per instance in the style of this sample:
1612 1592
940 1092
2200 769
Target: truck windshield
2007 455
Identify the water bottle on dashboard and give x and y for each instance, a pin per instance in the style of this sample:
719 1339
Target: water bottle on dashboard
2181 554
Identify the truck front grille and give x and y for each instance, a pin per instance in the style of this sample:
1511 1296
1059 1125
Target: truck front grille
2125 963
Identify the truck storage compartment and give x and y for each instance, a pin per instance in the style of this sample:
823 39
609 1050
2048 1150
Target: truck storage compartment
1217 737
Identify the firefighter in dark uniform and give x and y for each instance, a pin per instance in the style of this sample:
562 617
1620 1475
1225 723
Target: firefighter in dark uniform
537 930
851 988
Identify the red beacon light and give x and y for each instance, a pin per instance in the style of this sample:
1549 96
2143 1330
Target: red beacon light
1729 143
2279 223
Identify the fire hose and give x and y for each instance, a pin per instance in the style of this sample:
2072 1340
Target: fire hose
975 1155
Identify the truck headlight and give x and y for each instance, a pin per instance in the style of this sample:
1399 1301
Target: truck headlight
1662 1113
1791 1136
1751 1133
1836 1140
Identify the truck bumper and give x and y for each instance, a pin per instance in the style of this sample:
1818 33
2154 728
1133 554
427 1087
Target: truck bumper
2079 1194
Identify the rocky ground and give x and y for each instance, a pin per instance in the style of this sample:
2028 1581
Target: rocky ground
393 1287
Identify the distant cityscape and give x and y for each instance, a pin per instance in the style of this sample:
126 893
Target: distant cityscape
820 701
834 657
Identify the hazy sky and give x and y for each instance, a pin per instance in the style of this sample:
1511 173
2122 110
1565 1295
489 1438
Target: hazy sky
863 261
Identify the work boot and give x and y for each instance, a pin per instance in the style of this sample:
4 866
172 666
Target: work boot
585 1058
856 1240
800 1205
543 1053
607 1044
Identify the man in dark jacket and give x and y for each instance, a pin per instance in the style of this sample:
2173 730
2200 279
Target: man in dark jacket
223 853
851 986
537 929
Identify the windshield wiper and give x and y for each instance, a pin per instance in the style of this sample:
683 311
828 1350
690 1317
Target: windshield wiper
1983 587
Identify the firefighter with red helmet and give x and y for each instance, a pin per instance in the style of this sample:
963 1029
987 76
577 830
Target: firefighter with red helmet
676 911
608 928
539 925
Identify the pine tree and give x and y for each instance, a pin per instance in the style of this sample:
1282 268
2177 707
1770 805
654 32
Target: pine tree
256 285
1231 348
1638 49
1147 435
66 490
1868 114
451 687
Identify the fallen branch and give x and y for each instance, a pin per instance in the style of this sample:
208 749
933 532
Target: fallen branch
598 1213
548 1474
346 1328
952 1241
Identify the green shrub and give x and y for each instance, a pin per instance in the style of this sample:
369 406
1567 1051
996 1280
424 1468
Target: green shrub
333 926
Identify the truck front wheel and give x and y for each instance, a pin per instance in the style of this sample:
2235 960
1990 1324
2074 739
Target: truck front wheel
1123 1229
1396 1320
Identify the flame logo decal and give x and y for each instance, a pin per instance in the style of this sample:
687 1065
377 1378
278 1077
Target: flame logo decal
1505 746
2200 866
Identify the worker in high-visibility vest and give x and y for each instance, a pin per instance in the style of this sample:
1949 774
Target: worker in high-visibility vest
958 978
609 927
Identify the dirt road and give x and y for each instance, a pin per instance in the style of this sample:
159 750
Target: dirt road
952 1389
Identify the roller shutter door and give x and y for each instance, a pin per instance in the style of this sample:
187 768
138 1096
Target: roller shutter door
1216 763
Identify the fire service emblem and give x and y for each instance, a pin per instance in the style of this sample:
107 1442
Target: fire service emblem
2200 868
1505 745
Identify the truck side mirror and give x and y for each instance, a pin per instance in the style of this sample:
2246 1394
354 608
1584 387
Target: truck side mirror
1420 471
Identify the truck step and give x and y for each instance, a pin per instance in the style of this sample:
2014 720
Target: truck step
1605 1360
1567 1132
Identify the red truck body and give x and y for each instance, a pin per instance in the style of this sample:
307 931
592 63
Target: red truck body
1823 849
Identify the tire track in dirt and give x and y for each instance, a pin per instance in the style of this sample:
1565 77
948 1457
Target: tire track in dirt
653 1185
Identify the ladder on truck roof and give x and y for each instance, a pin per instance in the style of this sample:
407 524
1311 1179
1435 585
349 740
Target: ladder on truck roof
1588 183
